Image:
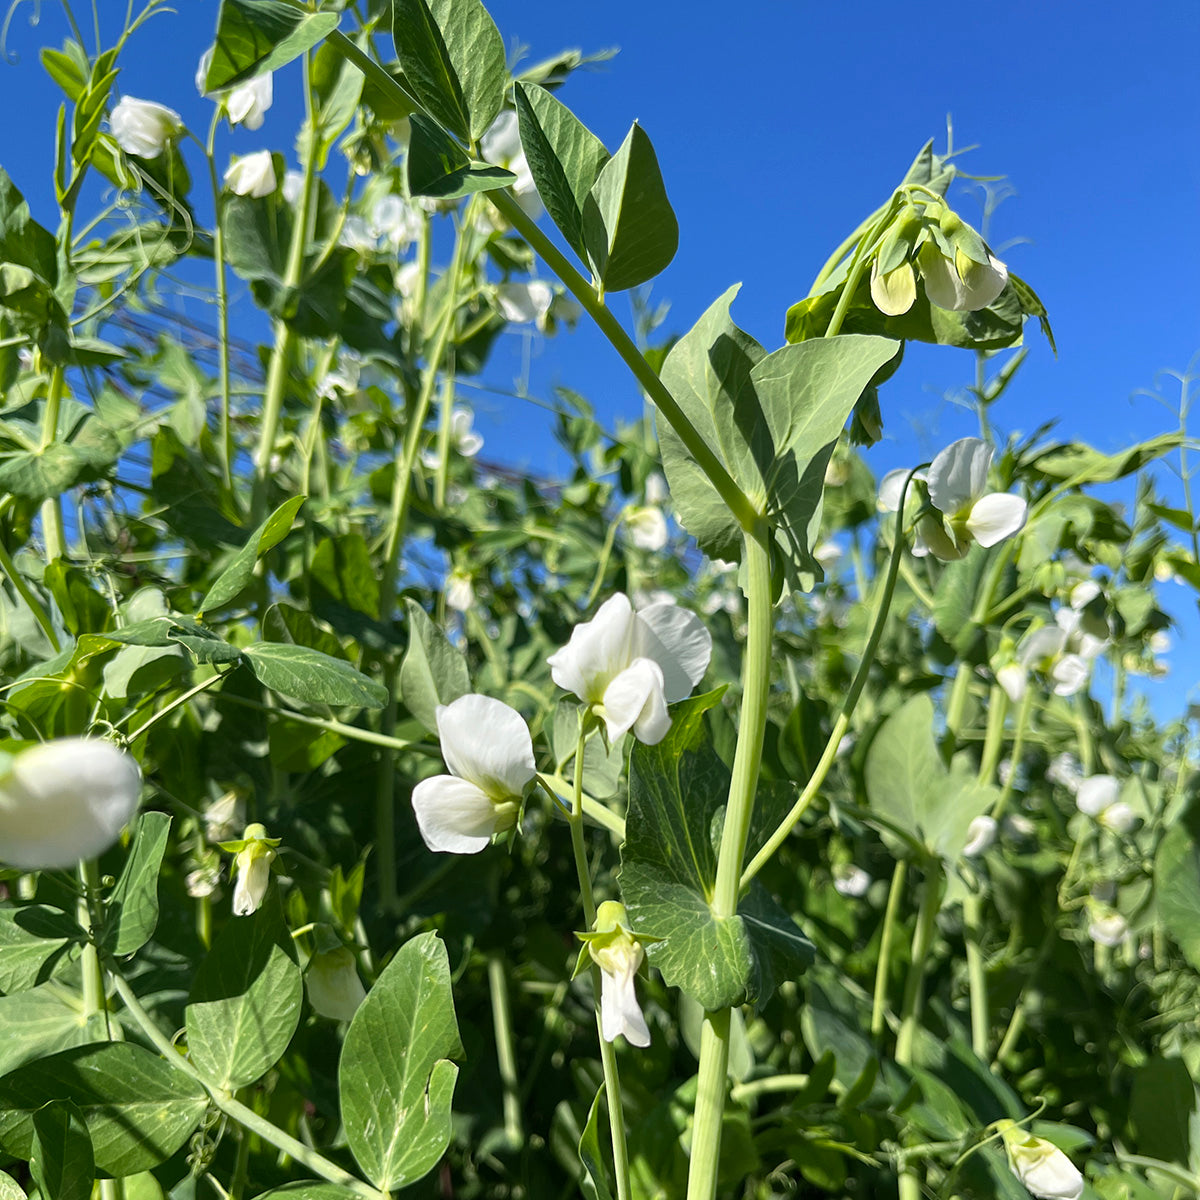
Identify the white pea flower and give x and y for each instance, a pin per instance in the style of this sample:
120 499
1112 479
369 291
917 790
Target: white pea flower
525 303
293 186
65 800
656 488
894 292
501 145
252 175
460 592
618 954
1108 928
201 882
1119 818
630 666
647 527
981 836
1096 793
849 880
1019 826
333 986
1040 1165
144 128
463 438
489 752
1064 769
223 818
827 554
395 223
960 284
252 863
1045 649
1014 680
957 482
247 103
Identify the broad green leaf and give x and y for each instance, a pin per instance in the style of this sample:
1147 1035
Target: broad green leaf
564 158
312 677
10 1189
133 906
245 1002
772 420
629 227
677 793
433 671
394 1075
1162 1103
1177 883
1032 306
1083 464
60 1159
241 568
344 577
68 68
35 940
909 787
453 59
954 598
42 1021
438 166
137 1108
309 1190
254 36
595 1181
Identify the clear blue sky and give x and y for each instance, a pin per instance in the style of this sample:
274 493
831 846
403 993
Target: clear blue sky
780 123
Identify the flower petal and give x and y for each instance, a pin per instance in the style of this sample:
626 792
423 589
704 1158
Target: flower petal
996 517
635 700
598 651
1041 645
1096 793
678 641
895 291
959 474
488 744
454 815
982 283
620 1011
1013 678
65 800
1070 674
943 287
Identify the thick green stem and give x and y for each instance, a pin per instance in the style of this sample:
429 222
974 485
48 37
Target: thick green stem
608 1056
886 942
506 1057
976 976
752 723
317 1163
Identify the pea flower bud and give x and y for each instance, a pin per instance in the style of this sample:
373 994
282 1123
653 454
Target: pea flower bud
254 854
252 175
1040 1165
143 128
334 988
618 953
64 800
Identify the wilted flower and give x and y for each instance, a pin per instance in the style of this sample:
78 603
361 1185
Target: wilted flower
849 880
1040 1165
247 103
629 666
144 128
252 175
65 800
334 988
254 855
647 527
489 752
618 954
981 835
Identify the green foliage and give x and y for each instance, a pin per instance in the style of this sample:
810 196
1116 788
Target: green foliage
133 904
60 1160
395 1077
433 673
254 36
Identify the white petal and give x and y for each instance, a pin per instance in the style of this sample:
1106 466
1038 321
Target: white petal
453 815
620 1011
890 487
647 528
1082 594
678 641
1044 1169
996 517
959 474
1040 645
525 303
501 141
981 284
895 292
635 700
1013 679
943 287
202 69
1108 929
1096 793
487 743
598 651
981 834
64 801
1119 817
1070 674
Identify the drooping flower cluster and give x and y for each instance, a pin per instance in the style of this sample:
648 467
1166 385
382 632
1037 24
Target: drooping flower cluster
64 801
628 666
960 509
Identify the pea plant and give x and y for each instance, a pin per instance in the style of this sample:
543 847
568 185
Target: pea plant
709 820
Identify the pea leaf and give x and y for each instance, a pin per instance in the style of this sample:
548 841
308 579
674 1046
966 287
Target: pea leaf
433 672
254 36
439 166
60 1159
394 1075
133 906
240 571
315 678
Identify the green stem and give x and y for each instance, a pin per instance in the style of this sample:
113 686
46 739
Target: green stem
246 1117
608 1056
714 1040
285 339
993 741
842 725
385 804
736 501
742 1092
1017 750
594 809
886 941
505 1053
445 415
90 916
976 976
226 440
